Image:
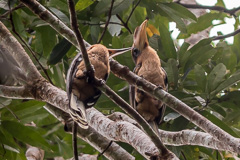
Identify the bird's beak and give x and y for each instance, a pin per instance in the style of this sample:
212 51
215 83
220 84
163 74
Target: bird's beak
116 52
140 37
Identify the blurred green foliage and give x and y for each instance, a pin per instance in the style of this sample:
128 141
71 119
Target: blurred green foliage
204 76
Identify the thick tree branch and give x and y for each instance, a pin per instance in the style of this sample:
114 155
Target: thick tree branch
92 137
177 105
216 8
34 153
164 152
184 137
28 47
108 20
15 92
15 49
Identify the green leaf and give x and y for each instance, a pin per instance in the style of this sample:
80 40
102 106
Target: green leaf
23 109
216 77
18 24
167 42
82 4
121 5
199 53
200 76
182 11
172 73
227 83
203 22
95 30
219 123
59 51
102 7
200 56
64 148
60 15
219 109
47 37
175 17
182 52
25 134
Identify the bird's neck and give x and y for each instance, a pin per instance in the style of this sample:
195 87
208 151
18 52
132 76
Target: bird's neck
148 54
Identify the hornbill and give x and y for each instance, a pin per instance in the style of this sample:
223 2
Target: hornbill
81 93
148 66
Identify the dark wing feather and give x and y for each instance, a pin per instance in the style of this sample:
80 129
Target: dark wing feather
76 107
71 73
163 108
132 89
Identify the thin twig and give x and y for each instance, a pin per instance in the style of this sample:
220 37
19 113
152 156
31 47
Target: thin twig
14 115
226 36
130 15
216 8
128 109
4 15
105 149
108 20
74 140
73 20
98 24
124 24
31 51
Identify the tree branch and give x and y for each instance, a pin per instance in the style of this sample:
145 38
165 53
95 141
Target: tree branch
15 49
226 36
91 136
79 37
184 137
216 8
28 47
124 24
34 153
108 20
163 151
124 73
15 92
130 15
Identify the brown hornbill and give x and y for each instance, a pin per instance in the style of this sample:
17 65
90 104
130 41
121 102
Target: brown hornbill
148 66
81 93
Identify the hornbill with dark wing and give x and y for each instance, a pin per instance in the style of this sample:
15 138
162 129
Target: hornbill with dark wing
81 92
148 66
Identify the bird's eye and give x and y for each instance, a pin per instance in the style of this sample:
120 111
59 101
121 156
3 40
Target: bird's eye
135 52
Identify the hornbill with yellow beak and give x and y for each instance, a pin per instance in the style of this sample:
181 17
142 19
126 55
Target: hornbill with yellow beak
148 66
81 93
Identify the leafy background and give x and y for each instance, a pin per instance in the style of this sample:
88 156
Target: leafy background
204 76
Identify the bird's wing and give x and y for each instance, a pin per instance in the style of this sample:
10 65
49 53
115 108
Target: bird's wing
132 89
163 108
76 107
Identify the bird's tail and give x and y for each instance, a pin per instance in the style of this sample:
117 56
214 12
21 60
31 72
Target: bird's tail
154 126
78 112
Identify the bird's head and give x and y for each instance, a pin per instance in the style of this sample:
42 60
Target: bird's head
140 41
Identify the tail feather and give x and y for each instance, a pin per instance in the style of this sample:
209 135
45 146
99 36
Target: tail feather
78 111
